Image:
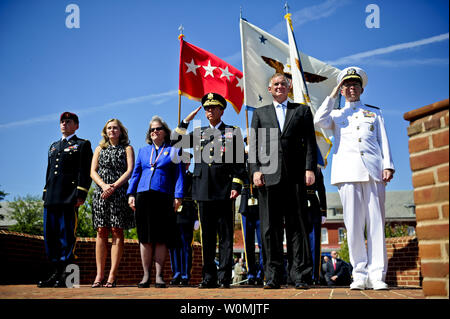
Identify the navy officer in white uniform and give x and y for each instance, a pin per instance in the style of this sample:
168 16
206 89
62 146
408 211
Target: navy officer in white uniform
362 165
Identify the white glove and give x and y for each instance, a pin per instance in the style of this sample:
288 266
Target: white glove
323 219
196 225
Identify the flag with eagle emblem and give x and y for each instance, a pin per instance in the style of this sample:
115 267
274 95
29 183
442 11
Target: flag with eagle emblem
264 55
202 72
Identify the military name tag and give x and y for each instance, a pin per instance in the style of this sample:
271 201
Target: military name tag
252 201
180 208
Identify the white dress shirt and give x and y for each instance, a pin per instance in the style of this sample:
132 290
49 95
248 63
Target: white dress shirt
280 109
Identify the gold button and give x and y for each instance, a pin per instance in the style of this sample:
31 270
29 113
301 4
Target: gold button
57 159
362 153
209 164
56 173
357 127
359 139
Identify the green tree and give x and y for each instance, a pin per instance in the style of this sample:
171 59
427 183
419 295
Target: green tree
85 227
2 197
343 251
28 212
396 231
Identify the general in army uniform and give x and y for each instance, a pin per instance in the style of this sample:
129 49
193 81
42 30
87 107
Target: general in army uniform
66 186
362 165
217 181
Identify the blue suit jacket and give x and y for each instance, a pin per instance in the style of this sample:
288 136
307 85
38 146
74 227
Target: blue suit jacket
167 177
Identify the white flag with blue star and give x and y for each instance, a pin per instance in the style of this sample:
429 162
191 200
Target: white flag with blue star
263 55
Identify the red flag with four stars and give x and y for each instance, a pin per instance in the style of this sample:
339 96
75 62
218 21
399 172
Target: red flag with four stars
202 72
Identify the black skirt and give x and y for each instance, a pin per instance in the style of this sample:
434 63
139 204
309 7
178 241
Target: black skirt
155 218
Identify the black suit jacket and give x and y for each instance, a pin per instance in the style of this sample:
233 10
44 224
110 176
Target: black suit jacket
218 157
68 172
297 148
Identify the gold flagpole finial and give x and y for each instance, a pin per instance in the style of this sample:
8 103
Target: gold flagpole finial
181 29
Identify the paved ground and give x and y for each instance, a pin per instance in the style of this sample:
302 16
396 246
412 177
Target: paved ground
191 302
190 293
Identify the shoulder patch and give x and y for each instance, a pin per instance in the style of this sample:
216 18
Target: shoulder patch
375 107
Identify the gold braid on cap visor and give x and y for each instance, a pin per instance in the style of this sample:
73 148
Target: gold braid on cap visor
213 102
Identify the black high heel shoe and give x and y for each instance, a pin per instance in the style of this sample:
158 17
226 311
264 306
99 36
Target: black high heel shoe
145 284
98 284
160 285
110 284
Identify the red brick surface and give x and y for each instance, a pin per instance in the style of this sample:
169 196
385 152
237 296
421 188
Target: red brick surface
21 251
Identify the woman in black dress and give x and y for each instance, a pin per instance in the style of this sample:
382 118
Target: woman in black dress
112 165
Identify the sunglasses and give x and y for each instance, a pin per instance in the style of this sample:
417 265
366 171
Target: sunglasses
156 129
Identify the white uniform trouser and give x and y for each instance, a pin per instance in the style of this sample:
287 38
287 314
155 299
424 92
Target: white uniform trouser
363 204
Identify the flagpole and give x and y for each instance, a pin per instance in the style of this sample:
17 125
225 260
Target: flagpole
180 37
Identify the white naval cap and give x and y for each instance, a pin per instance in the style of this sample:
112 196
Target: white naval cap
353 72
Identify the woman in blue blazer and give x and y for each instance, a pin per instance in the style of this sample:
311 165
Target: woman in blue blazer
155 193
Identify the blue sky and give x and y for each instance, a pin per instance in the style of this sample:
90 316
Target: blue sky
123 62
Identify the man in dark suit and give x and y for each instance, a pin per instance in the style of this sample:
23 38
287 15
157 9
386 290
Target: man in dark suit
217 181
337 272
67 183
285 131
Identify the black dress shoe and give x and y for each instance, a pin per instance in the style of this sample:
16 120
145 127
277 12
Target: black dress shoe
175 281
145 284
301 285
224 285
160 285
184 282
251 281
272 285
50 282
208 284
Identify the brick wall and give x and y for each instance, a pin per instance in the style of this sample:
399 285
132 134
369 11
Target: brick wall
429 157
23 261
403 262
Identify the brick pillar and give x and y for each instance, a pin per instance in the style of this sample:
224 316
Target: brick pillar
429 154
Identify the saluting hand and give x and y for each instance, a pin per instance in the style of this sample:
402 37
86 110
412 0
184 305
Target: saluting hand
191 115
336 90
